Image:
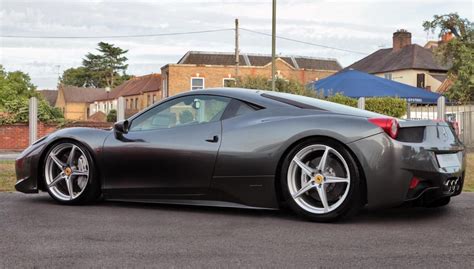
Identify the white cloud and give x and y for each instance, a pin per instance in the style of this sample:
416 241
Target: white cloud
354 25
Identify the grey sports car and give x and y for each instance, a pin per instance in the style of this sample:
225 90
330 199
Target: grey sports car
253 149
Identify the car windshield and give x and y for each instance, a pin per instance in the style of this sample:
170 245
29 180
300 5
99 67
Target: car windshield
293 99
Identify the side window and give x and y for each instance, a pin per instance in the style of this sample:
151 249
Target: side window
238 108
243 109
188 110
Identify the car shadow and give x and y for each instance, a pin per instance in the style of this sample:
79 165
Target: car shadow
401 214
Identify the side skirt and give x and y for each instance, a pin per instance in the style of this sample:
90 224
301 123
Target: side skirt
210 203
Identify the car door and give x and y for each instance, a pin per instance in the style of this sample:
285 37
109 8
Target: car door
169 150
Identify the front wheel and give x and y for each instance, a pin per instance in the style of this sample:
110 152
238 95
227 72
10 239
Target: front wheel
320 181
69 174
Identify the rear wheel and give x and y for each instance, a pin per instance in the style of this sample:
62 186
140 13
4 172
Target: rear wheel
69 174
320 181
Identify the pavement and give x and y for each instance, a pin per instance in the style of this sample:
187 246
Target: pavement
37 232
7 155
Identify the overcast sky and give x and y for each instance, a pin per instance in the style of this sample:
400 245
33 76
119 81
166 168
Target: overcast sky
363 26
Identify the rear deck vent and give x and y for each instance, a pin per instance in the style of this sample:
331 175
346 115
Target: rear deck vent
411 134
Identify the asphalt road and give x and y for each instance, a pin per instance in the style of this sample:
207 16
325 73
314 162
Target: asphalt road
36 232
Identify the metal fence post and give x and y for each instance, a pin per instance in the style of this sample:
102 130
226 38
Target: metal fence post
33 119
408 110
361 103
120 109
441 108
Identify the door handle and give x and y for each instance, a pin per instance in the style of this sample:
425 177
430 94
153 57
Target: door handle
213 139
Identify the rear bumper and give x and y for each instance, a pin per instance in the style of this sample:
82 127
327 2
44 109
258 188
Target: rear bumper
389 166
431 190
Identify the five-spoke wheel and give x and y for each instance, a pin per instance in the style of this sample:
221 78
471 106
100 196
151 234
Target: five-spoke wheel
67 173
319 180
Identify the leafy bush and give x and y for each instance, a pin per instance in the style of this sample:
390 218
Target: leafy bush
390 106
112 116
342 99
16 111
15 90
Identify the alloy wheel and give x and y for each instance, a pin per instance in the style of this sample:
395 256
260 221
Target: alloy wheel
318 179
66 171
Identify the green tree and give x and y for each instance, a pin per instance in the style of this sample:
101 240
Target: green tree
15 85
459 52
79 77
108 65
15 90
105 69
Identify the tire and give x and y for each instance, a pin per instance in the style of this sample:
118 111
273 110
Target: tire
64 173
440 202
339 181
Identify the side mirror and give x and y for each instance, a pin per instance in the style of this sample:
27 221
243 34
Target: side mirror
121 127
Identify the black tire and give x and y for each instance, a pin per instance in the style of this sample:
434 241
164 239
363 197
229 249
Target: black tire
350 205
440 202
92 191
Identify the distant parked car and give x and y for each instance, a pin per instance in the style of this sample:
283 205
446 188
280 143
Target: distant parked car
252 149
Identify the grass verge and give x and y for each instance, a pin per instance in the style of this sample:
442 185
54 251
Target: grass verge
7 176
469 179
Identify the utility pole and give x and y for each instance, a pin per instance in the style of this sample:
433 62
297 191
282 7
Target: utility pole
273 43
237 56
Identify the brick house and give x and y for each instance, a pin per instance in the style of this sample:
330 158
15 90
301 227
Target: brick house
407 63
138 92
74 101
199 70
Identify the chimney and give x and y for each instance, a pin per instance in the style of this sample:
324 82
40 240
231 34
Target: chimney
446 37
401 38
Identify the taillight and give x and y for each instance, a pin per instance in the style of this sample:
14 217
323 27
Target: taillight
389 125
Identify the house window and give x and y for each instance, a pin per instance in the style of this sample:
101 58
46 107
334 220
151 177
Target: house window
154 98
420 80
388 76
148 100
126 103
136 103
197 84
228 82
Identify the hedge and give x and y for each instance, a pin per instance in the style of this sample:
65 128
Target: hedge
390 106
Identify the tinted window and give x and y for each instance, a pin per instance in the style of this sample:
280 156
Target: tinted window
182 111
243 109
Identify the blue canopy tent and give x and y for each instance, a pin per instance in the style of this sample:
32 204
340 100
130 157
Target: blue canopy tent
357 84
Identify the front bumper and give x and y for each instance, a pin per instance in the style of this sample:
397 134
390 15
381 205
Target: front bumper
389 167
26 168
